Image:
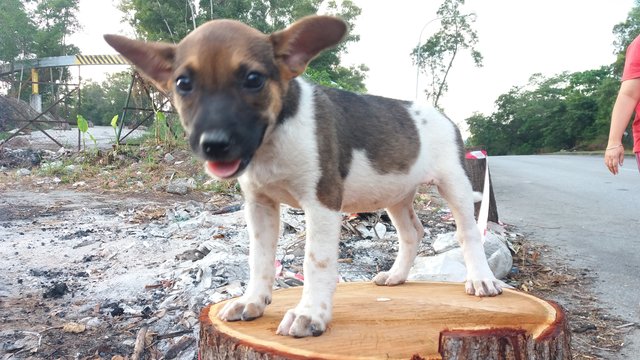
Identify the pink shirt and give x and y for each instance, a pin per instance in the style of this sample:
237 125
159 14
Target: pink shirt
632 71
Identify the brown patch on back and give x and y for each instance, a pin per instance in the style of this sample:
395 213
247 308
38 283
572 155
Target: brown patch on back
380 126
345 122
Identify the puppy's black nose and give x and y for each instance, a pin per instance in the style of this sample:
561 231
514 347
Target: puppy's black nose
215 144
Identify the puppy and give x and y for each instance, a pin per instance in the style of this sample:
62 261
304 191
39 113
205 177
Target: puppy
249 116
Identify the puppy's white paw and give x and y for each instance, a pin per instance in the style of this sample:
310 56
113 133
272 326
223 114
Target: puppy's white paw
244 308
303 323
389 278
484 287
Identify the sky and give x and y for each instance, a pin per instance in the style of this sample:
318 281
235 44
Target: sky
517 38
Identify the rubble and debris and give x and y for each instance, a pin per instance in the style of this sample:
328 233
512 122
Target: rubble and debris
57 290
448 262
74 328
16 342
23 172
181 186
157 265
21 158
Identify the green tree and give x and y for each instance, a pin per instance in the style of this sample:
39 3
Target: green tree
489 133
605 96
34 29
40 30
16 32
565 111
436 56
172 20
56 20
624 33
101 101
164 20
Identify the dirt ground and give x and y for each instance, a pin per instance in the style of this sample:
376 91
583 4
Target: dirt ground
93 262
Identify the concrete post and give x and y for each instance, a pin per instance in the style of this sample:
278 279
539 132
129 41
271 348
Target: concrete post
36 99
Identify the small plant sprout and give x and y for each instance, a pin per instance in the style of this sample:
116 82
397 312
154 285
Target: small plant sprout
83 127
114 125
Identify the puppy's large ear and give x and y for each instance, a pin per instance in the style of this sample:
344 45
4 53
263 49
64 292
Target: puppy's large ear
298 44
154 59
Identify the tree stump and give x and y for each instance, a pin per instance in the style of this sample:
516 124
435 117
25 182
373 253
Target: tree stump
416 320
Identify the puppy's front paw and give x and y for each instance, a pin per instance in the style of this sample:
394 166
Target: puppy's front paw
484 287
300 324
389 278
244 309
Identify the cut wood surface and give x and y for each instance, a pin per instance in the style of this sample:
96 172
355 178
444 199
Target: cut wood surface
416 320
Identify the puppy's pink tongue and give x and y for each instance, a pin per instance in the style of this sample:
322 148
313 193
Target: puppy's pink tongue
223 169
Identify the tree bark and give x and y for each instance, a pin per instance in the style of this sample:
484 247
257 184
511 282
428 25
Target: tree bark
417 320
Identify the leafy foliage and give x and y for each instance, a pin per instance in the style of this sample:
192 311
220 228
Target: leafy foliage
172 20
625 32
16 32
567 111
56 20
83 124
114 121
35 29
83 127
39 30
100 101
351 78
436 56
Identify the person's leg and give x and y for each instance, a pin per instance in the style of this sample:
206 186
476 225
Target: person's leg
638 160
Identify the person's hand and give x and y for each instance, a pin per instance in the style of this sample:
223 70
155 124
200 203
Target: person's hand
614 156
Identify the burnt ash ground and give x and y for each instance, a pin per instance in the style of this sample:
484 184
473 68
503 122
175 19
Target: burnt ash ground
91 259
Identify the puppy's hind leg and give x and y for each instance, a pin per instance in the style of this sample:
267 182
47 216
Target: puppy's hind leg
410 231
455 188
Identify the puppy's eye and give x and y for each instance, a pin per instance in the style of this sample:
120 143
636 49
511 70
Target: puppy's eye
184 85
254 81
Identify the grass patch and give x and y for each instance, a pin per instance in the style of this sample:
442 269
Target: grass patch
148 166
67 171
220 187
4 135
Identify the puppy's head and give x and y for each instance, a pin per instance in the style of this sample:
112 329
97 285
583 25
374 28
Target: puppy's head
228 80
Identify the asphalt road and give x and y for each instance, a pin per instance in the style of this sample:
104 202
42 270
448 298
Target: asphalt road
592 218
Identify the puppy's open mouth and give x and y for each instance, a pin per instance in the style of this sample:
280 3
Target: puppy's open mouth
223 169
